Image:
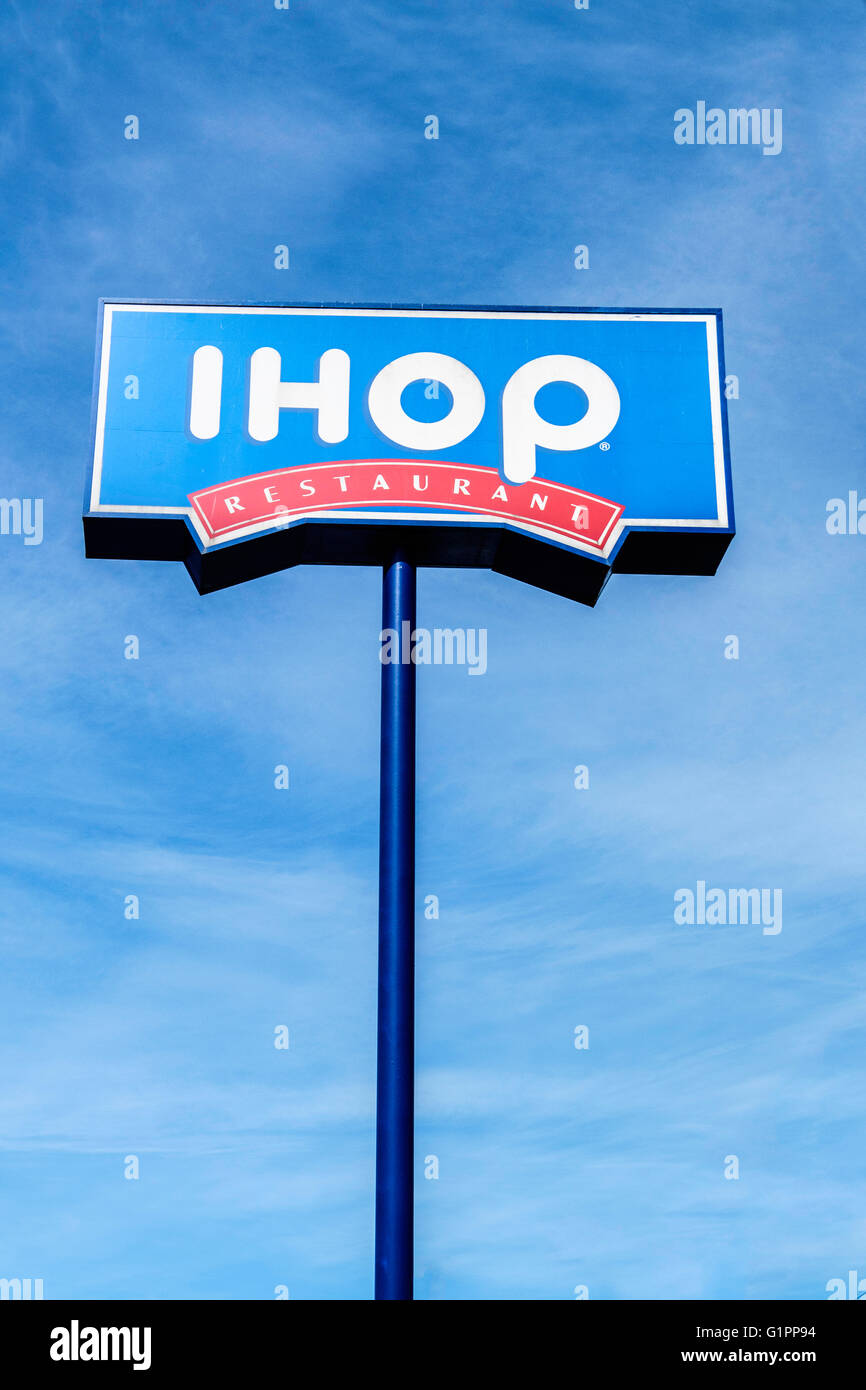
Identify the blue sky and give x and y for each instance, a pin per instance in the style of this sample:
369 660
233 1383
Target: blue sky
558 1167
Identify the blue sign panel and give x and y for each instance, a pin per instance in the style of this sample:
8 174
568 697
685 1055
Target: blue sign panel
552 445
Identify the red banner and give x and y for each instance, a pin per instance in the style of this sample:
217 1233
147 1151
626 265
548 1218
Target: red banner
267 499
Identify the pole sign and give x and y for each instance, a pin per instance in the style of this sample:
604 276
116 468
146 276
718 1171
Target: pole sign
554 446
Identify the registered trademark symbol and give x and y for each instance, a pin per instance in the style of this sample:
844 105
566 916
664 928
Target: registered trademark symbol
604 446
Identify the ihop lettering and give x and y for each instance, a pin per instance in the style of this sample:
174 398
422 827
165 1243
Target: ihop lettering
523 428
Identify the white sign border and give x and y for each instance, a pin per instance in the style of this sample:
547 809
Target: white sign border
720 522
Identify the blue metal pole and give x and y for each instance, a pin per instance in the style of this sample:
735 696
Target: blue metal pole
396 1045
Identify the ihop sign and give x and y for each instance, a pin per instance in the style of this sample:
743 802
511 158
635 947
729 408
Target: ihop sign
555 446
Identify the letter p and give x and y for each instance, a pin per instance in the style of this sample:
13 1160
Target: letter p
523 429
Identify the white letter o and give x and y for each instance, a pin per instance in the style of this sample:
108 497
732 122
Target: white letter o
383 401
